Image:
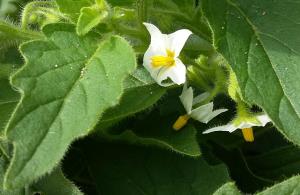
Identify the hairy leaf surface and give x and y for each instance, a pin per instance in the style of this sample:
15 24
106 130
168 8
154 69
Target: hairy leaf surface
67 82
56 183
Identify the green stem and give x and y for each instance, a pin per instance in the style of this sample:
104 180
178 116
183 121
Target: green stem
219 84
54 12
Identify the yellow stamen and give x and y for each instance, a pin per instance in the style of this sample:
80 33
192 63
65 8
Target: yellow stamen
248 134
158 61
181 122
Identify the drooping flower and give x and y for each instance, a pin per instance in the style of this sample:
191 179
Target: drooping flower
243 123
203 113
161 58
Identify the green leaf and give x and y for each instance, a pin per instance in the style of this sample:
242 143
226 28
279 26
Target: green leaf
4 156
56 183
290 186
228 189
160 135
67 83
152 129
276 164
72 7
140 93
176 15
8 101
131 170
264 54
89 18
11 35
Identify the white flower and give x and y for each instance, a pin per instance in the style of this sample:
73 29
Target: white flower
203 113
259 120
243 123
161 58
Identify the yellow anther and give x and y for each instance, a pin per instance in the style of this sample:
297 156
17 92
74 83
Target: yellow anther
248 134
181 122
158 61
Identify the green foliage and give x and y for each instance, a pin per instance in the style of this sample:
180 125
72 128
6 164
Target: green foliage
89 18
72 7
266 58
290 186
85 78
8 100
140 92
227 189
163 136
79 114
131 170
56 183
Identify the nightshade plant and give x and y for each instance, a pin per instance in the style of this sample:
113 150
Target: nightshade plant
149 97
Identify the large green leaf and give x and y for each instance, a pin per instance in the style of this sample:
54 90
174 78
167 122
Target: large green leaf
290 186
131 170
260 40
55 183
67 82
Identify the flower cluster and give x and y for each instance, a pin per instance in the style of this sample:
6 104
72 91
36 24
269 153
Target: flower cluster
162 61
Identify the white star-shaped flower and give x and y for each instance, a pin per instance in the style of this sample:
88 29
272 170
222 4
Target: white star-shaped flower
161 58
243 123
203 113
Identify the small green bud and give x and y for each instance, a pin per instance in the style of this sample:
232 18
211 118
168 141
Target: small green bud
33 19
233 86
202 60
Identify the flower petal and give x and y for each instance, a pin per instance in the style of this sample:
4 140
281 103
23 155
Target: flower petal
200 98
263 119
213 114
229 127
147 63
176 73
158 40
157 47
246 124
186 98
201 112
177 40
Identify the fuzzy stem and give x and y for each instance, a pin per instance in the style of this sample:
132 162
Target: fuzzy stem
30 8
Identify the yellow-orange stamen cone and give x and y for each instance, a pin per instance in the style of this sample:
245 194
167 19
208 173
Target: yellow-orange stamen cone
158 61
248 134
181 122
